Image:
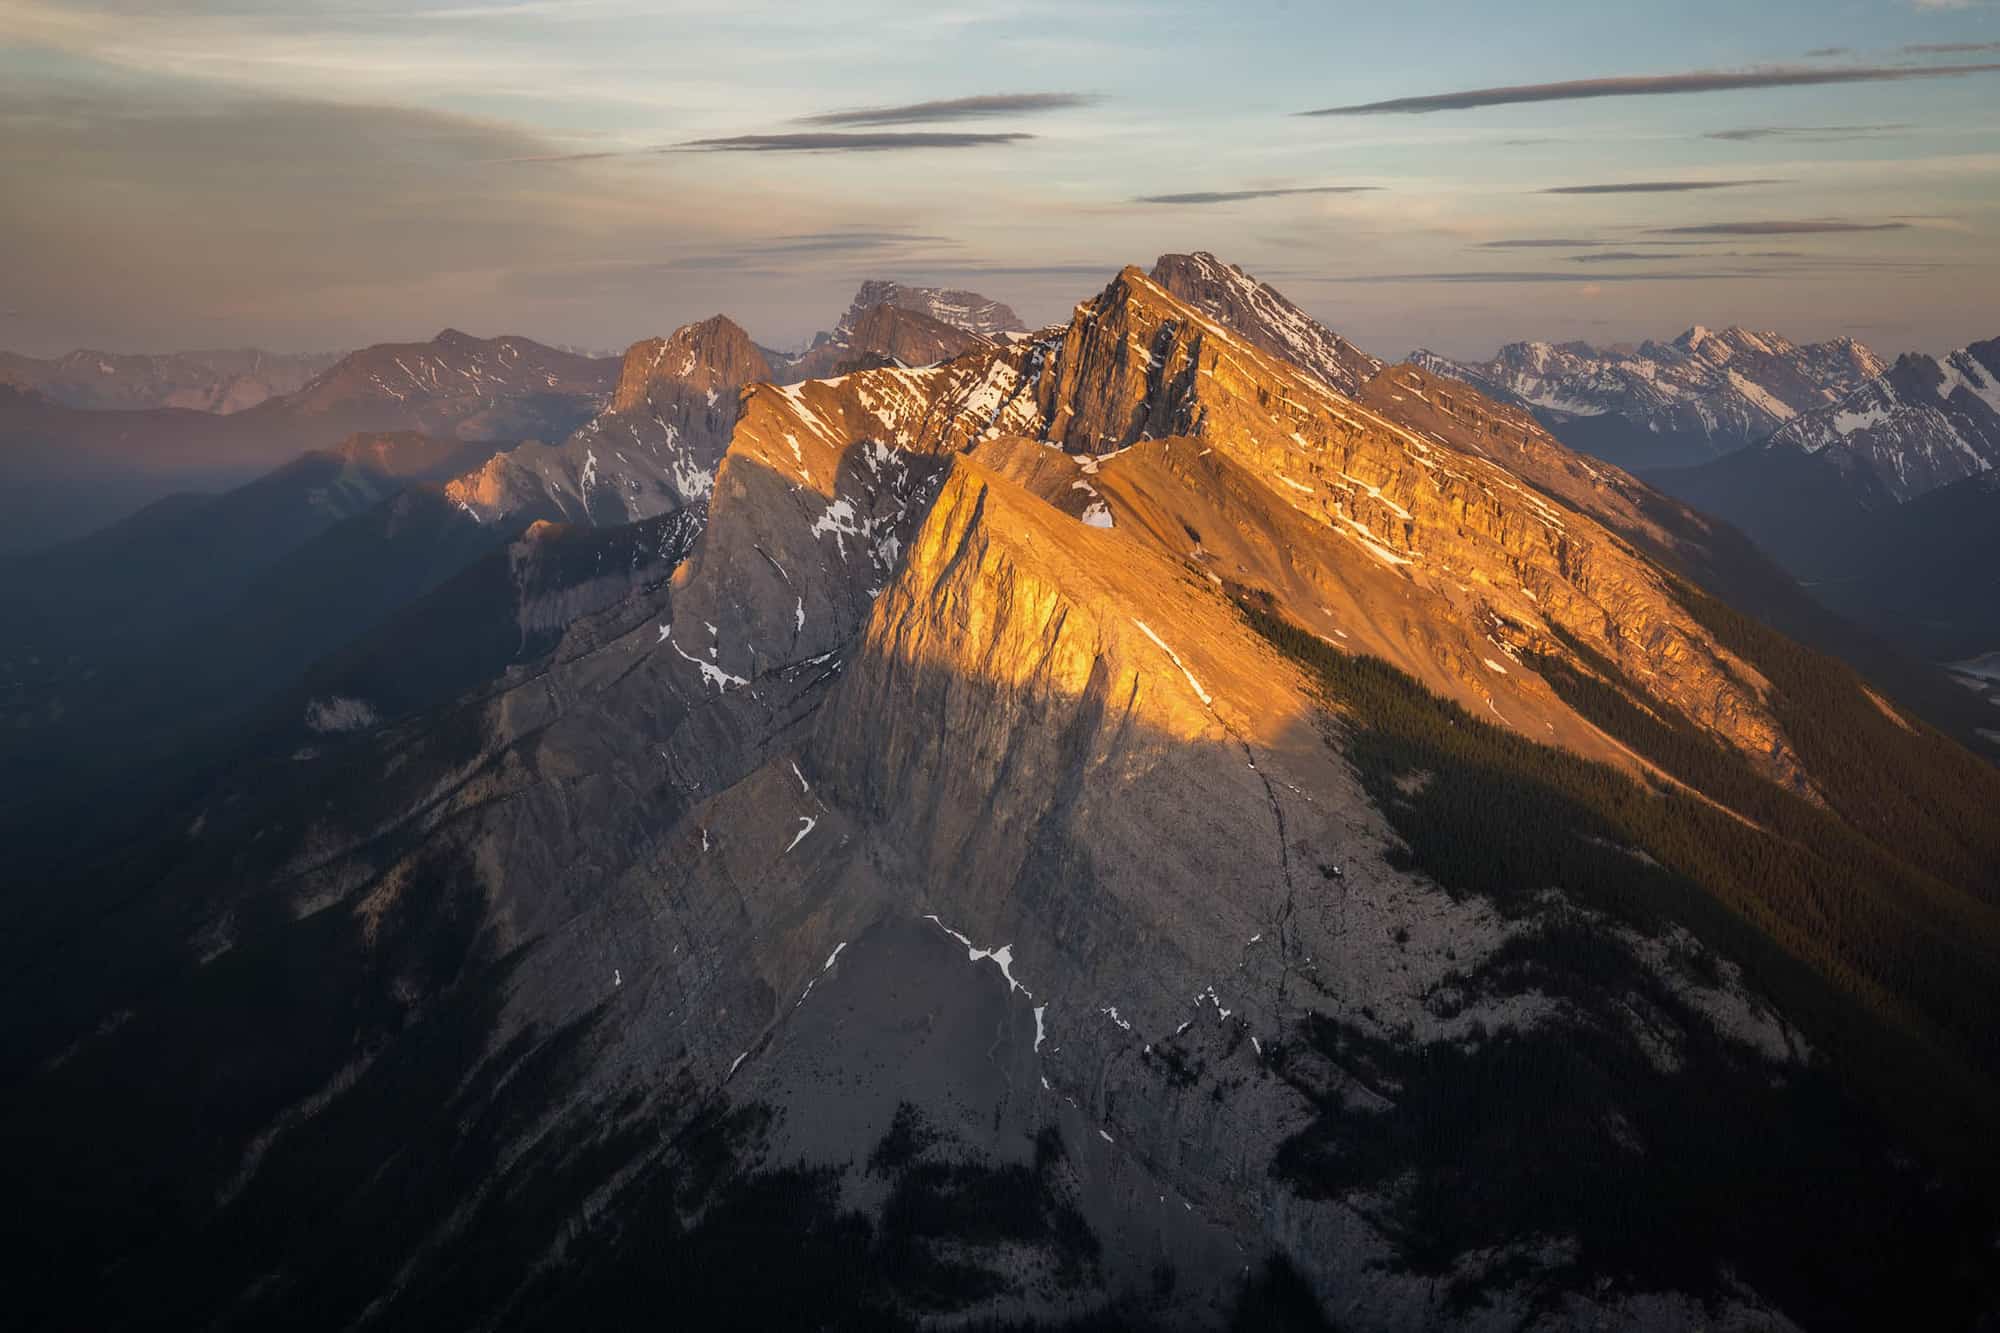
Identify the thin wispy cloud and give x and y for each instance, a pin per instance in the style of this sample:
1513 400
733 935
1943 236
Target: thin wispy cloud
954 108
1826 52
1238 196
832 142
1651 85
1485 277
1800 227
1539 243
1667 256
1660 187
1806 133
1949 48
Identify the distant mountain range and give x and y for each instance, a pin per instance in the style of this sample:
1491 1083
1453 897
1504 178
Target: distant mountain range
1883 501
68 470
210 381
1704 394
1918 425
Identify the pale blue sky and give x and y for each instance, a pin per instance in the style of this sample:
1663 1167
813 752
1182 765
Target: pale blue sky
329 173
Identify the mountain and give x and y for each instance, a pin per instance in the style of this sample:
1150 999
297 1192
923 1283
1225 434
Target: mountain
1259 313
1104 831
1704 394
883 335
1842 496
68 471
961 310
891 324
1926 573
654 450
171 628
1921 424
130 643
207 381
503 388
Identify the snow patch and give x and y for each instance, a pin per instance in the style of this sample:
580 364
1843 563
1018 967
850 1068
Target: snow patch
1200 693
810 824
338 713
1004 955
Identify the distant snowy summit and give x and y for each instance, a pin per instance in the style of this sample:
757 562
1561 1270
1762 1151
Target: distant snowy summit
1703 394
1920 425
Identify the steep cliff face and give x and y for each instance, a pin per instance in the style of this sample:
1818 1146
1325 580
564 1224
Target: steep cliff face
655 450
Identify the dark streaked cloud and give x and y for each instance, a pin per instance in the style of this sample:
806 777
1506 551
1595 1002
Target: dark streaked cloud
1825 52
1949 48
1651 85
823 241
953 108
1706 257
822 142
1806 133
1487 276
1237 196
1794 227
1539 243
1661 187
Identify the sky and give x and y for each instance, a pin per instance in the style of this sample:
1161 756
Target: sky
320 174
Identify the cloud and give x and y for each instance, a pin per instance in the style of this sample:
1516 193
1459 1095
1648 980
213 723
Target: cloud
1609 256
1806 133
1539 243
1651 85
1236 196
1949 48
1660 187
1483 277
1804 227
1824 52
955 108
847 143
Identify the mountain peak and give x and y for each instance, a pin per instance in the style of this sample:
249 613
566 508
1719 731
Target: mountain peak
967 311
1264 317
711 354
